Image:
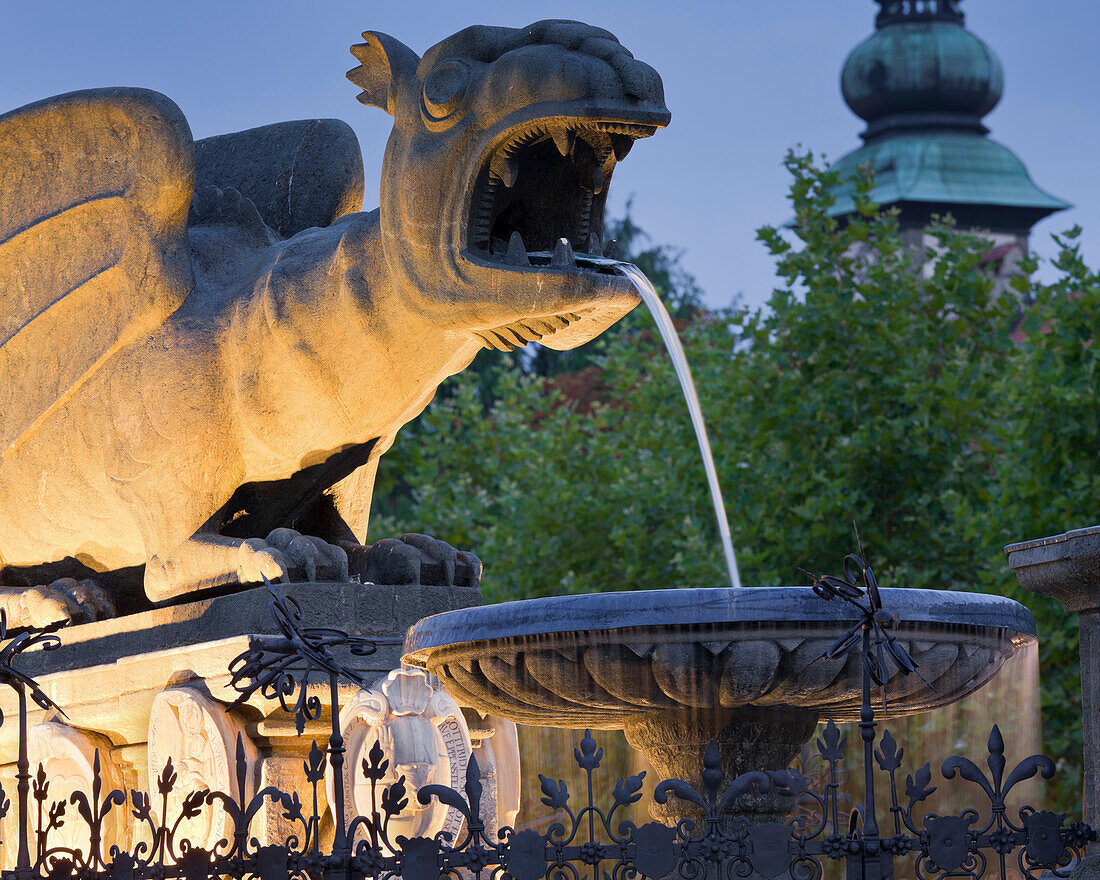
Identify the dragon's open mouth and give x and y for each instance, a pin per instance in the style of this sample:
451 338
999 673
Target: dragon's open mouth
547 181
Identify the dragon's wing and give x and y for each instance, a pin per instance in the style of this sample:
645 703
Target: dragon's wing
94 192
298 174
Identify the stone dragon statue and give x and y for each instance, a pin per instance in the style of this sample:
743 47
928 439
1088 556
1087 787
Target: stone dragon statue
205 347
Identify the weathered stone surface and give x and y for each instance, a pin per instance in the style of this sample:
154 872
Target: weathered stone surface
677 668
68 757
748 740
146 687
602 659
1065 567
318 179
199 738
1087 868
496 748
179 379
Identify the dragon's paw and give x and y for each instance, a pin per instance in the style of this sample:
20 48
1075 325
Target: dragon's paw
64 599
287 555
415 559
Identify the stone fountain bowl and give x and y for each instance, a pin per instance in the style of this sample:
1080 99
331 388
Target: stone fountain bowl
614 660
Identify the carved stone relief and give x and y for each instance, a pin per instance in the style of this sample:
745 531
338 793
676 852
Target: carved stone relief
425 739
67 756
200 739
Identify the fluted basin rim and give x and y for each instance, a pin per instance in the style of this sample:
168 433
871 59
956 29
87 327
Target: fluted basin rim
594 612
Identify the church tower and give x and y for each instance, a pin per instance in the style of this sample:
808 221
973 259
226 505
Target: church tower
923 82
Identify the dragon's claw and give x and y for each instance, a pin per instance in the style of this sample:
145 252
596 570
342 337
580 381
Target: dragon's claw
65 599
288 555
415 559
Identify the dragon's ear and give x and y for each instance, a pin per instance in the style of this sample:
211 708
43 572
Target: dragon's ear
384 63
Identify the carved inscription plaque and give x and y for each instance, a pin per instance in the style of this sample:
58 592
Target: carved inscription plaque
425 739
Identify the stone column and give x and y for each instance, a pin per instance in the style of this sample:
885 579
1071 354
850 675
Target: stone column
1067 568
283 755
495 744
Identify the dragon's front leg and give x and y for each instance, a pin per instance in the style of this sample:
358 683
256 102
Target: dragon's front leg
209 560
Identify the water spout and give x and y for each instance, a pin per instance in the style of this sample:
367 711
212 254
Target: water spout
683 373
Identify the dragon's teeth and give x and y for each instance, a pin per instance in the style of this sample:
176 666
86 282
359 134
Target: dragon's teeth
564 139
517 252
563 258
621 144
595 179
505 169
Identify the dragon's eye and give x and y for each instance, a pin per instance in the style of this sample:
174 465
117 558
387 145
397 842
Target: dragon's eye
444 89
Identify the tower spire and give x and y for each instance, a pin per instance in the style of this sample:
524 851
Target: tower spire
895 11
923 83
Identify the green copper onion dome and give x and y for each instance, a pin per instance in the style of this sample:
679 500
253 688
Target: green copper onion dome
923 82
921 67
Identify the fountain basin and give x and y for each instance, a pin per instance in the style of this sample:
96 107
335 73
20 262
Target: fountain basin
604 660
676 669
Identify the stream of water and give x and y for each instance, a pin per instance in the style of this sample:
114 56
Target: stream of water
683 373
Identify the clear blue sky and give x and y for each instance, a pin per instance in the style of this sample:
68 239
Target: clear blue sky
744 80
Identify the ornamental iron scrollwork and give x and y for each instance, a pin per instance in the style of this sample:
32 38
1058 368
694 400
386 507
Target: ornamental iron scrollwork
590 837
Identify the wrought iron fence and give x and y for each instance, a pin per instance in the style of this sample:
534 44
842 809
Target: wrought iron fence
592 839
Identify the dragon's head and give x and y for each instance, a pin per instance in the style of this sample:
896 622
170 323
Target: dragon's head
504 143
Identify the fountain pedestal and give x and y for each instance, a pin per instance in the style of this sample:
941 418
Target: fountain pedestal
748 739
156 685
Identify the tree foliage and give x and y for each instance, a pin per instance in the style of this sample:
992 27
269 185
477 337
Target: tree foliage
1049 476
879 384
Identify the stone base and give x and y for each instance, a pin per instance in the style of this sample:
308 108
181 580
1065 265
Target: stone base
106 674
149 686
1087 868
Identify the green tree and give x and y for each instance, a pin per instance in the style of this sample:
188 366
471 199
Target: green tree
862 391
1050 476
870 385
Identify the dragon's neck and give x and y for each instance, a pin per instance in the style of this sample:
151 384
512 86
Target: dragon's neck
323 353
